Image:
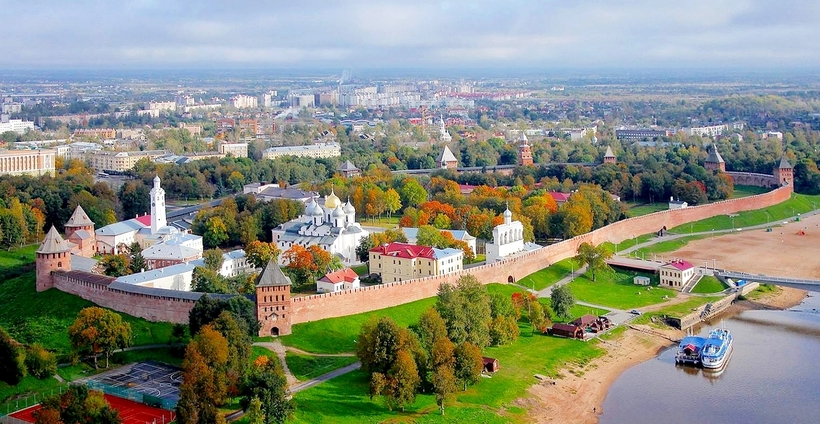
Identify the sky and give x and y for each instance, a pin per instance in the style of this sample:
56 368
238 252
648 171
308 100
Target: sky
420 34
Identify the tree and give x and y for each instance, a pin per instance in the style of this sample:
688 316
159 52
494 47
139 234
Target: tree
136 262
411 192
430 328
404 376
300 262
444 385
12 360
392 201
77 405
503 330
469 363
40 363
465 307
239 349
259 253
430 236
115 265
536 317
213 258
594 257
562 301
267 384
97 330
378 344
204 379
207 309
216 232
254 413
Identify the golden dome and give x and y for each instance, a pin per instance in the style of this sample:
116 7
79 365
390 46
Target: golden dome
332 201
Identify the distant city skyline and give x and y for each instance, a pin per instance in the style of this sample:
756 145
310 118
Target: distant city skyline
642 34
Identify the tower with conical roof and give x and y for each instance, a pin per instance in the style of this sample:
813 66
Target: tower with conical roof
609 156
53 255
273 306
524 152
446 159
714 162
157 196
80 230
784 173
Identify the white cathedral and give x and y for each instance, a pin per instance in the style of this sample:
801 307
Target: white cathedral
508 240
332 227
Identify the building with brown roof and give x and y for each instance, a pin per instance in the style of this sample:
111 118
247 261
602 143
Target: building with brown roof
343 279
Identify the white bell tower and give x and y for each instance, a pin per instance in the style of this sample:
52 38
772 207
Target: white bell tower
157 207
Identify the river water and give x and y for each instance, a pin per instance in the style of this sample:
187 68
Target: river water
773 376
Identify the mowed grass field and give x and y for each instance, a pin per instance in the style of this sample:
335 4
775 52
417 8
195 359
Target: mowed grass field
548 276
617 290
797 204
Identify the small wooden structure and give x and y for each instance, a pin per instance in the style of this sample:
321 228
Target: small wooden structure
592 323
566 330
490 364
641 280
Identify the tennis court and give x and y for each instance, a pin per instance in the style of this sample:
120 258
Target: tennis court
130 412
152 383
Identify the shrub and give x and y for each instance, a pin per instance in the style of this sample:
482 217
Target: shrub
40 362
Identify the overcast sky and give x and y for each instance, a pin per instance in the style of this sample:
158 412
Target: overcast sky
160 34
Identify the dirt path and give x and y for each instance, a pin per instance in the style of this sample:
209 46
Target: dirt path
300 351
277 347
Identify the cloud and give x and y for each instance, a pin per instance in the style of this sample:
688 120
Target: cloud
417 34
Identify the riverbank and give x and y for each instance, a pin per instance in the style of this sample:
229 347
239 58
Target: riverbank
577 398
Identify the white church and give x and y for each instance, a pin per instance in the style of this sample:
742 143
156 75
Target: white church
332 227
508 240
162 245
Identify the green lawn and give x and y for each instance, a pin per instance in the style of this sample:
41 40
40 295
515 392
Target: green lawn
676 311
305 367
616 290
337 335
640 209
45 317
360 269
21 396
798 204
709 284
344 399
762 290
548 276
746 191
649 252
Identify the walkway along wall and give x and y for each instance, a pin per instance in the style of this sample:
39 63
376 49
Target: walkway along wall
173 306
320 306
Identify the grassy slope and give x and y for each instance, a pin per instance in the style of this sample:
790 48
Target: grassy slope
798 204
616 290
305 367
548 276
709 284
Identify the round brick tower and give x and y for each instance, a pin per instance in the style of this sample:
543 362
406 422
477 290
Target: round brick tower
53 255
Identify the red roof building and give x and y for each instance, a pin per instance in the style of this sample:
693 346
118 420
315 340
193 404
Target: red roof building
344 279
560 198
676 274
396 262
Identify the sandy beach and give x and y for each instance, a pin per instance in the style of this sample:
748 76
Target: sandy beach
577 399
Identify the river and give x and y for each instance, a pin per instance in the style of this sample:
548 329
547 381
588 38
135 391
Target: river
773 376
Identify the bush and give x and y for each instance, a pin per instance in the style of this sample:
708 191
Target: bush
40 362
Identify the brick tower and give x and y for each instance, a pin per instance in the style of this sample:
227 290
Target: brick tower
784 173
524 152
714 162
53 255
273 308
80 230
609 156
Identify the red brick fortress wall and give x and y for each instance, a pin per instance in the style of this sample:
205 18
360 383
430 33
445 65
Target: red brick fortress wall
320 306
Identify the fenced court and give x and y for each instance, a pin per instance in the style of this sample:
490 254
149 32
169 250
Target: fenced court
151 383
130 412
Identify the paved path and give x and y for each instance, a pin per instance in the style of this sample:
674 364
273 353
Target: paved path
277 347
324 377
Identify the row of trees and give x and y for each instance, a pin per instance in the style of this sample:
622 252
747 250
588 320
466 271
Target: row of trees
17 361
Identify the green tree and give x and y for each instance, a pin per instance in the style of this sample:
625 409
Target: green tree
115 265
536 317
77 405
430 328
136 263
254 414
444 385
503 330
216 232
259 253
594 257
99 331
204 379
239 349
392 201
469 363
12 360
411 192
213 258
465 307
562 301
267 383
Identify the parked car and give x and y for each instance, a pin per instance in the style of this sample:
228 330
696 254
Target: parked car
635 312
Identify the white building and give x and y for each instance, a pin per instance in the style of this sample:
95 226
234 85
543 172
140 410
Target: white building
676 274
318 150
396 262
242 101
508 239
180 276
332 227
443 135
27 162
677 204
344 279
237 150
16 125
163 245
